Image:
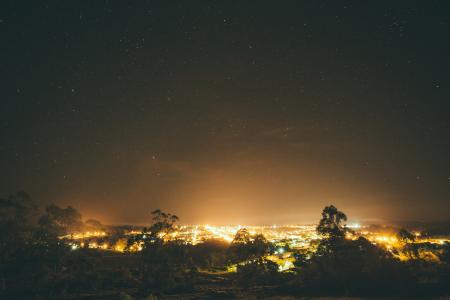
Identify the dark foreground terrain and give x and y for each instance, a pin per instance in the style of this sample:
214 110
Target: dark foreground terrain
38 261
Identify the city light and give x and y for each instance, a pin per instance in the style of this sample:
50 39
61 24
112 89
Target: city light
294 237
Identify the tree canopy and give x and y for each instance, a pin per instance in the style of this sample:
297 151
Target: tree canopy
332 222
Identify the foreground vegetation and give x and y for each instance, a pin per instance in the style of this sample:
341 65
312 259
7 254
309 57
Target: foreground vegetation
36 264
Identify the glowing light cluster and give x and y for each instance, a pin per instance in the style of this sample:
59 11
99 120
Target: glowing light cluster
83 235
294 236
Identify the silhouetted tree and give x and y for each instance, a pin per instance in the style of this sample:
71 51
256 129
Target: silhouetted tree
32 256
61 221
444 256
257 272
164 264
349 267
16 232
261 246
242 236
332 222
211 254
405 236
94 223
247 247
163 224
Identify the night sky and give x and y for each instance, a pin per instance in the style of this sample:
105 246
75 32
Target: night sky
228 111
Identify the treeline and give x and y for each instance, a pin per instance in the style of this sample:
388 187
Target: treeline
35 263
33 260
